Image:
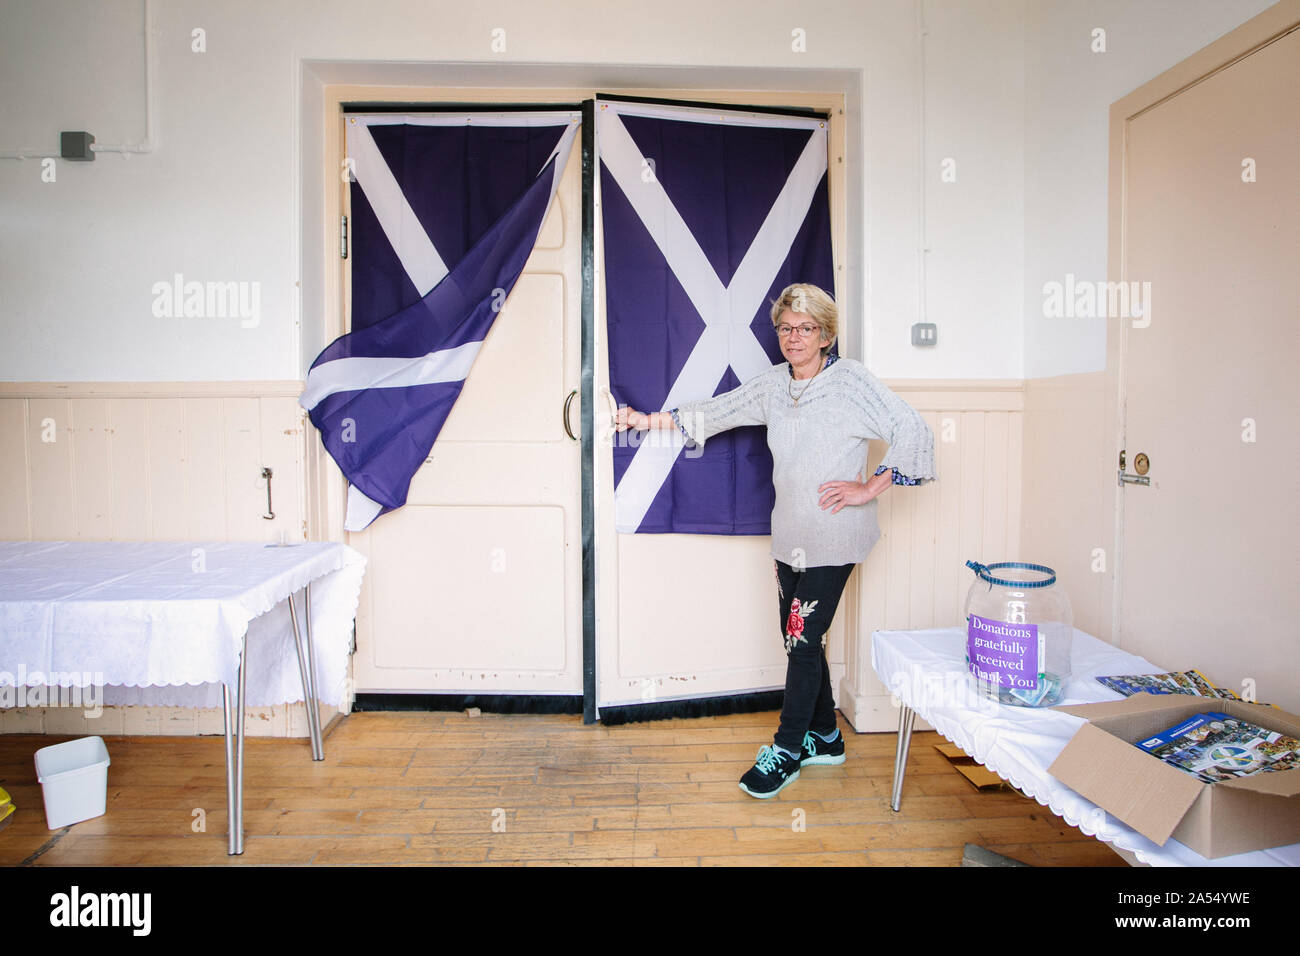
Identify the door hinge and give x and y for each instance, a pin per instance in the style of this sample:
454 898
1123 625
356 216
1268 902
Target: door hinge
343 237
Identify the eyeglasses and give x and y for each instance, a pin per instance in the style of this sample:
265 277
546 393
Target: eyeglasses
805 331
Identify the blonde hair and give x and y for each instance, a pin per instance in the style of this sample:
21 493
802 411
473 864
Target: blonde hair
811 301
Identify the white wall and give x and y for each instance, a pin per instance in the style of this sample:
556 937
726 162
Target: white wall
974 225
1012 94
1068 92
217 199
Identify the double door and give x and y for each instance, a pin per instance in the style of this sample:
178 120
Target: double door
478 584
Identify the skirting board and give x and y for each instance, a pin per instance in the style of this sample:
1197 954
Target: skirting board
280 720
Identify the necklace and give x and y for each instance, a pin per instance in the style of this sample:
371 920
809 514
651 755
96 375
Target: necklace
802 388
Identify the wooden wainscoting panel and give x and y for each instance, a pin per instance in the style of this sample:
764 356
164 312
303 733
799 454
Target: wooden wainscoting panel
923 575
970 522
205 471
130 448
49 439
916 576
993 535
242 462
895 516
91 473
1015 484
149 461
280 449
170 495
15 502
949 570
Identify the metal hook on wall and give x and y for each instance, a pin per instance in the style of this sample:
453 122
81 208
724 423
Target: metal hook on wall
270 515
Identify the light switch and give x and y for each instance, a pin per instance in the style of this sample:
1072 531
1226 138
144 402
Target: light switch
925 334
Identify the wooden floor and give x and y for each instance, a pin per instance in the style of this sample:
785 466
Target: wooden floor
428 788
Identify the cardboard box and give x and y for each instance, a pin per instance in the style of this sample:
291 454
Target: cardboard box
981 777
1102 764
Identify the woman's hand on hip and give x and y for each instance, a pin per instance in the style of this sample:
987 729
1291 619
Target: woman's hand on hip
836 494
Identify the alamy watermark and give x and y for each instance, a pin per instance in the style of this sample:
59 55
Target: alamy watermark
1081 299
179 299
658 438
80 908
56 689
950 688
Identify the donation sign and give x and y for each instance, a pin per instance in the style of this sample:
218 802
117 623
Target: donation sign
1008 655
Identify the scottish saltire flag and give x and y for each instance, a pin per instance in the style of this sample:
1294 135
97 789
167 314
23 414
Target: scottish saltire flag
445 212
707 216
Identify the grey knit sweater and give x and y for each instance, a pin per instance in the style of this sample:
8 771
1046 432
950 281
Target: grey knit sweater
821 437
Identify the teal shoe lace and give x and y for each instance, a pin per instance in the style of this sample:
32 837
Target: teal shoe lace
810 744
767 760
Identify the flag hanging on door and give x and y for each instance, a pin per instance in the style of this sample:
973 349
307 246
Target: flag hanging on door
445 212
707 216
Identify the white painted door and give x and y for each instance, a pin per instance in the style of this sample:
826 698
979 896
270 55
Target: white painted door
475 585
1209 389
682 616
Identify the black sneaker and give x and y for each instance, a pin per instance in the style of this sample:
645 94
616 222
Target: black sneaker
770 774
818 751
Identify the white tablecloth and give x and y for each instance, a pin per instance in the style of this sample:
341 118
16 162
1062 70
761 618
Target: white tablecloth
926 669
163 622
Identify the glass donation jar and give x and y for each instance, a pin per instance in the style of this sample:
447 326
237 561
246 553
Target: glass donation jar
1019 633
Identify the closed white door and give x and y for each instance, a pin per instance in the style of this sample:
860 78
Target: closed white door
475 585
683 616
1210 393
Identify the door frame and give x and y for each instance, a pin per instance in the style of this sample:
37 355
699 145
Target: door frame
1271 25
327 487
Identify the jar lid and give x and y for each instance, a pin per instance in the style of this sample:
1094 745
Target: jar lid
982 572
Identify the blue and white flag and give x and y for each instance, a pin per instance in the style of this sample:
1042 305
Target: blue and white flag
707 216
445 212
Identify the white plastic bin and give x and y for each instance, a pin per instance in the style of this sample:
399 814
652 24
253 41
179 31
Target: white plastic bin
74 780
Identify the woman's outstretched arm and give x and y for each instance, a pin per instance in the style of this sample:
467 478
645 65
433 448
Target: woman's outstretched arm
628 417
701 420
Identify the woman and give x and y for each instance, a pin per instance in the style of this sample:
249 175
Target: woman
820 412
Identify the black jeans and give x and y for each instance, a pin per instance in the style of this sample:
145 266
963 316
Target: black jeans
807 600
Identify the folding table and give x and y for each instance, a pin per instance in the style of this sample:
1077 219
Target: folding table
155 618
926 671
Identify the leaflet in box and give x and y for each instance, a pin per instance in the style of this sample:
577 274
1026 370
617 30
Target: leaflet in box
1103 764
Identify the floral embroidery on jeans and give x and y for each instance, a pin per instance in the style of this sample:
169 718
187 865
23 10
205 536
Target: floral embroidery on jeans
794 626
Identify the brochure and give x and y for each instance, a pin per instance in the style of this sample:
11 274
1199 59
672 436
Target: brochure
1179 682
1215 746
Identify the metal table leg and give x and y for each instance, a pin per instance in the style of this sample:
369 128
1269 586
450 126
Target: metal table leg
235 747
905 718
230 772
307 670
318 752
235 758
